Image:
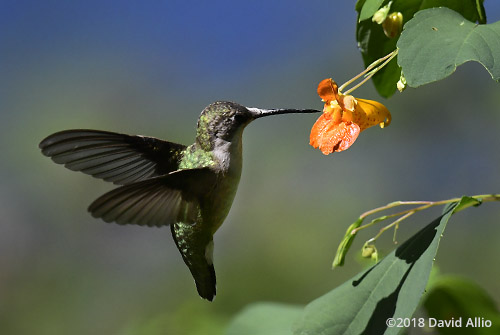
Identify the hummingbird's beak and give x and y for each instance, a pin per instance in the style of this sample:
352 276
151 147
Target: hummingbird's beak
259 112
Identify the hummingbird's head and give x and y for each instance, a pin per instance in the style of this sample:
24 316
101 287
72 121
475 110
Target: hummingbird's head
223 120
226 120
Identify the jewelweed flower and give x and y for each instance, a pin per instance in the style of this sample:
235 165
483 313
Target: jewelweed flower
343 118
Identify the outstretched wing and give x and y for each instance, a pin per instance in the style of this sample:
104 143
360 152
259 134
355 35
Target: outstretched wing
118 158
158 201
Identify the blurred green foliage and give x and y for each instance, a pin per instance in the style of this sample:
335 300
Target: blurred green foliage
454 297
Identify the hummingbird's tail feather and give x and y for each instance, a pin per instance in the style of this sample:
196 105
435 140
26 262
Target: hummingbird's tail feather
118 158
205 282
196 247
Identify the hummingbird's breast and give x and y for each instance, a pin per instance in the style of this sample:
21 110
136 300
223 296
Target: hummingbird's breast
228 156
225 159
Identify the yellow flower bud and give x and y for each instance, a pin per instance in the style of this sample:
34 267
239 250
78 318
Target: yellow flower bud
368 251
393 24
401 83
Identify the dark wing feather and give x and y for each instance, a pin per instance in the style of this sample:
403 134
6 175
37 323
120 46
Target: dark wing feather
118 158
159 201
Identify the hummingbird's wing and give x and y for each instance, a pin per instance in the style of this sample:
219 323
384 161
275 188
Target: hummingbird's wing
158 201
118 158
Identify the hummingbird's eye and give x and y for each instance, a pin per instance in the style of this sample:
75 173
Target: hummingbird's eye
240 118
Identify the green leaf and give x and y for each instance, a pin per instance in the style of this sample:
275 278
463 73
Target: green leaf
456 297
265 319
438 40
466 202
374 44
346 243
390 289
359 5
369 8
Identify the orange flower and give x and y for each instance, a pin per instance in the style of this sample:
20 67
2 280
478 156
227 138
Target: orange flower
343 118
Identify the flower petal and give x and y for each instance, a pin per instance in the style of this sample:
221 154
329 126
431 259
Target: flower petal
330 136
327 90
346 134
370 113
318 128
349 102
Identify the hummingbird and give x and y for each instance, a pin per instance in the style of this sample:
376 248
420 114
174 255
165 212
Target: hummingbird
189 188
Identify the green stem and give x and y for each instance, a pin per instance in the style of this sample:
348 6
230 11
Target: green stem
391 205
368 72
389 226
426 204
371 66
403 215
480 11
372 72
